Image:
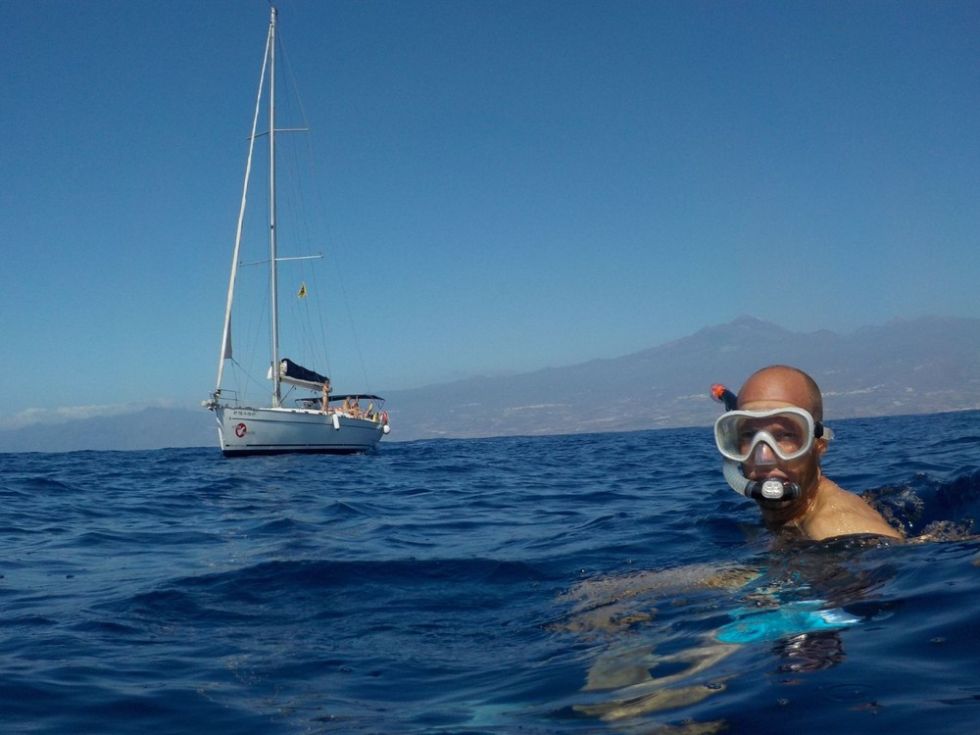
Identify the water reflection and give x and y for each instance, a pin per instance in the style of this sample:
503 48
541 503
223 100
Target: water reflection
665 641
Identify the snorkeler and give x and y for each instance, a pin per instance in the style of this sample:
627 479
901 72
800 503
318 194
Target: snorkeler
772 440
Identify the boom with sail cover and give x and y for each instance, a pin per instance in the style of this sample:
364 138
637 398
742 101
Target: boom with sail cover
294 374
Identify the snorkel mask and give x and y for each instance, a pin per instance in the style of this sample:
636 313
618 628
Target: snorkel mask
767 437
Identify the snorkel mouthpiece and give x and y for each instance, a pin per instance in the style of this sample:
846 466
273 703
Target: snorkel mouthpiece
770 489
775 490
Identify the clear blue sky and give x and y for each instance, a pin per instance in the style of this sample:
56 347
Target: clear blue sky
522 184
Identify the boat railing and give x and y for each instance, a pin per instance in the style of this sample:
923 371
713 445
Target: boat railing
349 407
222 397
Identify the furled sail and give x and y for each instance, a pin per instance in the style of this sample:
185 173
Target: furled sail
290 372
226 347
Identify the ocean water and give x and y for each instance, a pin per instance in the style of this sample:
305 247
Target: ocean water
606 583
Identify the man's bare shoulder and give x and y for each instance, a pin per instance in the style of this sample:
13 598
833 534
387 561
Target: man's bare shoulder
838 512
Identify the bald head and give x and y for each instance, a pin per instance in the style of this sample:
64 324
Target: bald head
781 385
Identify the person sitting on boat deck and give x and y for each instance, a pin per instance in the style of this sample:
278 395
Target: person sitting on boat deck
776 435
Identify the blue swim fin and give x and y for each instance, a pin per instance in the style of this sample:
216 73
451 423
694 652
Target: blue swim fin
752 625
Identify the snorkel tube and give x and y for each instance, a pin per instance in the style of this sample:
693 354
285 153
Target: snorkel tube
721 393
771 489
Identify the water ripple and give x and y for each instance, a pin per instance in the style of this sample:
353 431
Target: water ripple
481 586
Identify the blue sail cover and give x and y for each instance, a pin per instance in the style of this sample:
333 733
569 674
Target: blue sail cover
289 369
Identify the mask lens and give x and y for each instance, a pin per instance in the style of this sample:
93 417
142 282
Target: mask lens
787 432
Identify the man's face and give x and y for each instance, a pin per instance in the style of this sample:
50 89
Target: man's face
766 392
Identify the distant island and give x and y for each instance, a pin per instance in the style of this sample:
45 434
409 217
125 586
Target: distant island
925 365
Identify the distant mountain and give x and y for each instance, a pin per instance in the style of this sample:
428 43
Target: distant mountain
913 366
906 366
150 428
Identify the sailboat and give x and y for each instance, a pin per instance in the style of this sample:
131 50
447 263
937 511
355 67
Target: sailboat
320 421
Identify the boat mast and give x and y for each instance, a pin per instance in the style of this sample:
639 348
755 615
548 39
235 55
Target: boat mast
273 250
226 331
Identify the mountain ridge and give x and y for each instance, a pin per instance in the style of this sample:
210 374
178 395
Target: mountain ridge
905 366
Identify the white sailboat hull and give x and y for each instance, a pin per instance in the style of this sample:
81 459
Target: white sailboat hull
244 431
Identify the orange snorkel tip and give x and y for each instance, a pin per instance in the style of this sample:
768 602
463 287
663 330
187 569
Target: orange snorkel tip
721 393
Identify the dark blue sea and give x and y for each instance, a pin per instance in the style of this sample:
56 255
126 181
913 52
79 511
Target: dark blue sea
606 583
